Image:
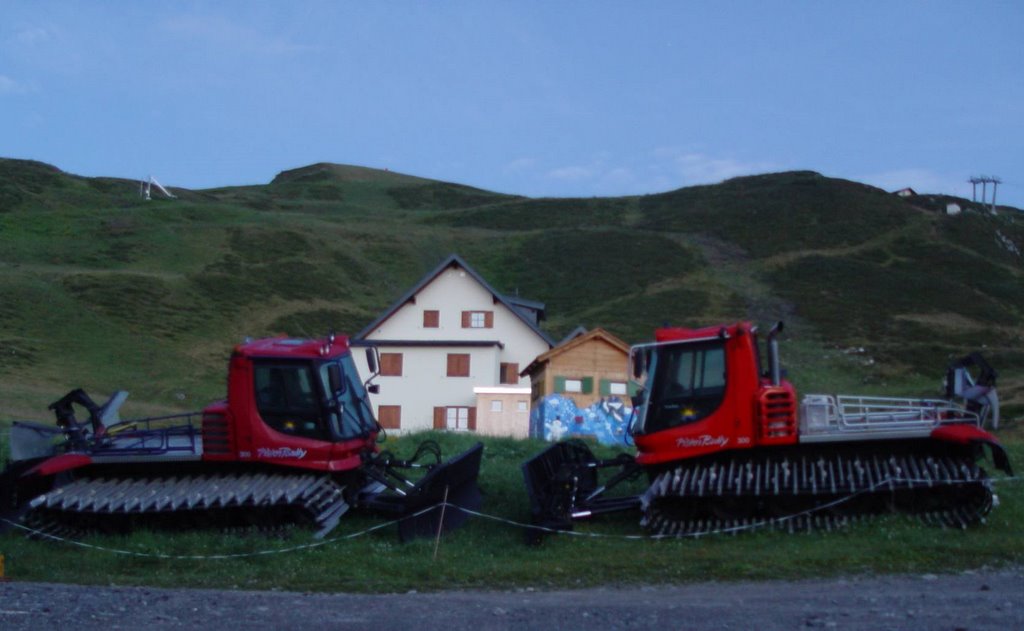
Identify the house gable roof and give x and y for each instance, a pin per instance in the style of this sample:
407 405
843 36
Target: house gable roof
578 331
454 260
575 340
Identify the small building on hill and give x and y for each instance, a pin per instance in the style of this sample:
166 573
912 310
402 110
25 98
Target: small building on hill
905 192
450 334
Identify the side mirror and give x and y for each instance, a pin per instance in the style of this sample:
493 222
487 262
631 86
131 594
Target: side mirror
371 359
638 358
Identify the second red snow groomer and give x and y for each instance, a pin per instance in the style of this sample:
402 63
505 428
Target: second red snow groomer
725 443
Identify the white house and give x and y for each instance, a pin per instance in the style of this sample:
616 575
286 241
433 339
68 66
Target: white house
452 332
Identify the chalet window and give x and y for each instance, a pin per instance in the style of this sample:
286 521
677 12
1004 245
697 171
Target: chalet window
431 319
390 416
522 406
458 364
496 405
614 388
509 373
581 385
455 418
390 364
477 319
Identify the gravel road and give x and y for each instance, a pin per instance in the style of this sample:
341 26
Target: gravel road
978 600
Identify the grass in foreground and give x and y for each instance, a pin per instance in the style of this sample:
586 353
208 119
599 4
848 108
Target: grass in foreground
492 555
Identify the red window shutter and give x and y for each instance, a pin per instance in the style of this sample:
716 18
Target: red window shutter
509 373
391 364
458 365
467 317
489 319
472 419
439 413
431 319
390 416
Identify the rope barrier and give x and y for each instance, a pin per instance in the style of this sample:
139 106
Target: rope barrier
216 557
510 522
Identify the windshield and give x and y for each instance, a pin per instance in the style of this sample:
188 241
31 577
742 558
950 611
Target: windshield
350 416
687 384
296 398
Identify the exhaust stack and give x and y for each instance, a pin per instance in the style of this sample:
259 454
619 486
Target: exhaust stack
773 353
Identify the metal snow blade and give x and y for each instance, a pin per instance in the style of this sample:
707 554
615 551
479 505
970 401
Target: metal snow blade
453 482
562 484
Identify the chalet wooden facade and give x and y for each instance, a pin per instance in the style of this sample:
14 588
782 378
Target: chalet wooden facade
587 367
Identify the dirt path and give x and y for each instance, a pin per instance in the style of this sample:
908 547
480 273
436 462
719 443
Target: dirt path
968 601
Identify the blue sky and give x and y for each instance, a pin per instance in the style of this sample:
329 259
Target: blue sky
564 98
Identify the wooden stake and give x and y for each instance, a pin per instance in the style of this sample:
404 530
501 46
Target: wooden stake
440 523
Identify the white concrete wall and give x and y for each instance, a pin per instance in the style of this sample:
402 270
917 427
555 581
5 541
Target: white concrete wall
424 383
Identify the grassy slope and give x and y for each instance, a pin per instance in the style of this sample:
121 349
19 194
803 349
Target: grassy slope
104 291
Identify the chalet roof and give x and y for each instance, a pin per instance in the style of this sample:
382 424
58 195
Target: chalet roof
575 340
513 303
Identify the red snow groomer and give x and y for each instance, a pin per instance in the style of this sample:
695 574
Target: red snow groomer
725 444
295 441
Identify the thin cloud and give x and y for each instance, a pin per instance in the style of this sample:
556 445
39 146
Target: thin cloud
571 173
697 168
31 36
520 164
225 33
10 86
658 170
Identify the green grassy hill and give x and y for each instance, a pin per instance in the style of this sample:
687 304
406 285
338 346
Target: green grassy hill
103 290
